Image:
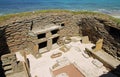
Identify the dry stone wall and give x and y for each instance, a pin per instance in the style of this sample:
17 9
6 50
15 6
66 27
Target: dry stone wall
96 29
14 36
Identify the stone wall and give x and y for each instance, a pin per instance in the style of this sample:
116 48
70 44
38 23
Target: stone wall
3 43
12 67
14 36
96 29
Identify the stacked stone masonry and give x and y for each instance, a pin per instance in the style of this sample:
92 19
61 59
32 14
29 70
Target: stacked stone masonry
15 36
10 64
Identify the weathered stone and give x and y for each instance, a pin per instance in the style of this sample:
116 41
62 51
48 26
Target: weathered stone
95 27
99 45
97 63
85 39
8 59
49 44
11 66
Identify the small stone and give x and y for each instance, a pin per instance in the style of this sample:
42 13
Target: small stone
97 63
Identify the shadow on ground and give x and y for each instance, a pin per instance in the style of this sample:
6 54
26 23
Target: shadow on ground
113 72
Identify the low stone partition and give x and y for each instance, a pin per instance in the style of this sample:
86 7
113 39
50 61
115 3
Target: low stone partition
12 67
108 60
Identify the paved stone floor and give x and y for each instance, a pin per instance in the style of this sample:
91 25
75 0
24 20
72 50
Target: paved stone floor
41 67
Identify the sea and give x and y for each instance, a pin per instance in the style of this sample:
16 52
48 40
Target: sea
17 6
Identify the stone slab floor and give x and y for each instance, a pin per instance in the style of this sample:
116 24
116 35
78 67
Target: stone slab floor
41 67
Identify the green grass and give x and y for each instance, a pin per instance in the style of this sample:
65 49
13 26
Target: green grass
117 20
26 14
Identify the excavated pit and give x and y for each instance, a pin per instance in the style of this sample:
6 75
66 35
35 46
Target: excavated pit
15 36
96 29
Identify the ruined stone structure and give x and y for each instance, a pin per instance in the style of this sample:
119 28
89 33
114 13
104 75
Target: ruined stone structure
39 34
9 62
12 67
16 36
46 37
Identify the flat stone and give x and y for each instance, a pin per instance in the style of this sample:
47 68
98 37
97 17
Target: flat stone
85 55
107 59
97 63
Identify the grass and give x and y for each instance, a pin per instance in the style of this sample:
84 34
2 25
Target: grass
25 14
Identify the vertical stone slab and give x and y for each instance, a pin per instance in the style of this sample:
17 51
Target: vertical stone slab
49 40
27 69
49 44
99 45
35 49
48 34
85 40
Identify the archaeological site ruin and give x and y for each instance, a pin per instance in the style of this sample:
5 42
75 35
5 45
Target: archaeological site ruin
60 45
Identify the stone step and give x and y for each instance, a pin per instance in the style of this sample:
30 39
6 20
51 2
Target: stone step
7 67
8 72
6 64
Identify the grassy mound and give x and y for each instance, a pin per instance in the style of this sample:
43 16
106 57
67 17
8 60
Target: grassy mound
27 14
